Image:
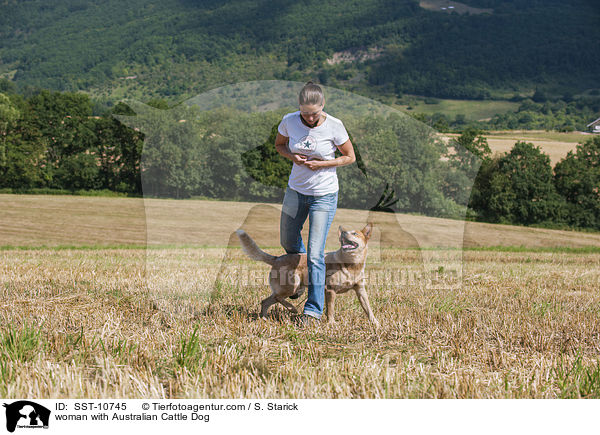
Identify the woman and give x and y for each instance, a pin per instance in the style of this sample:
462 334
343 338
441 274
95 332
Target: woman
309 138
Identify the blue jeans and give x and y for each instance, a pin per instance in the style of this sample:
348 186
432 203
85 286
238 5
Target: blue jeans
320 211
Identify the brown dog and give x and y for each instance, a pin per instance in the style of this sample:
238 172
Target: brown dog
289 272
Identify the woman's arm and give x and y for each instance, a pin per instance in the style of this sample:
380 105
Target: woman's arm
281 147
346 158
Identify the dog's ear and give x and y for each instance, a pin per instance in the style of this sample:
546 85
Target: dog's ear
340 229
367 230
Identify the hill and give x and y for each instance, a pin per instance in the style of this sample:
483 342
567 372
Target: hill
177 48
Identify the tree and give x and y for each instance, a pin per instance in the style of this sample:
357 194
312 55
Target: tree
64 121
118 152
577 179
9 114
174 160
22 148
401 167
518 188
266 165
470 148
469 151
7 87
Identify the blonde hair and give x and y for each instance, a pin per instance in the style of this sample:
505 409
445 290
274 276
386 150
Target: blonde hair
311 94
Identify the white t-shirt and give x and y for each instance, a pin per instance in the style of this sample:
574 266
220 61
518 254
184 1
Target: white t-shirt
315 143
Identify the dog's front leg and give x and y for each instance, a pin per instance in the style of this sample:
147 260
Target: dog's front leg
330 304
361 293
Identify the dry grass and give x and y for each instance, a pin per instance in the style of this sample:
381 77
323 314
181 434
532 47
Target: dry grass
556 150
83 323
89 323
555 144
40 220
34 220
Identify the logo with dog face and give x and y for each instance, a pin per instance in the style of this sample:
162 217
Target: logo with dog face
26 415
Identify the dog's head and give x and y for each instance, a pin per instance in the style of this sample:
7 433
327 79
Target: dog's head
354 242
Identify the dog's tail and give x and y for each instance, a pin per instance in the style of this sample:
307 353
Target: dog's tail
252 250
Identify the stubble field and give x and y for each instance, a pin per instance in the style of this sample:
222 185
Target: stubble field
555 144
82 314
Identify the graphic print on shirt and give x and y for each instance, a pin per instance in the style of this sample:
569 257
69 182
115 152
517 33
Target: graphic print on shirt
306 145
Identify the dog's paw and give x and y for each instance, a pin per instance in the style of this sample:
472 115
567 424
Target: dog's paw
298 293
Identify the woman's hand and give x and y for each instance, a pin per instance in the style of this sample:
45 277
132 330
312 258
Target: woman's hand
298 159
313 165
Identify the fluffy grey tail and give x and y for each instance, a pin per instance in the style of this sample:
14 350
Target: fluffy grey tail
252 250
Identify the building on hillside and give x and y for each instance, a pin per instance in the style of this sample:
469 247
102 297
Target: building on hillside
594 127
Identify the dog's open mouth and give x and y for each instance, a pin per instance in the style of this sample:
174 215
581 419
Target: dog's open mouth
348 245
